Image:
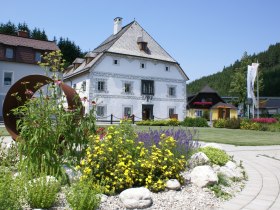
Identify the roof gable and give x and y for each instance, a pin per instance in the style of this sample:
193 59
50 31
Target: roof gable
127 44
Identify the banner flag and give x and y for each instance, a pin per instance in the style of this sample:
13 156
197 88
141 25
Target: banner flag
251 77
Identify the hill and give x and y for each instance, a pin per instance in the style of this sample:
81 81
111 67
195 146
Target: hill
269 66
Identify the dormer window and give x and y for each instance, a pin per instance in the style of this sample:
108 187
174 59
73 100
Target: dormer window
9 53
143 45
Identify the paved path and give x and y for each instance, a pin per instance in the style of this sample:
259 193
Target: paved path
262 190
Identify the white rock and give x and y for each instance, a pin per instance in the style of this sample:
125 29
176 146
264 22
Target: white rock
103 197
134 198
214 145
173 184
198 159
216 168
231 165
203 176
231 173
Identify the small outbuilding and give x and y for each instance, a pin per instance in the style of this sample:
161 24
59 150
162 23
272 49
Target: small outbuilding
207 103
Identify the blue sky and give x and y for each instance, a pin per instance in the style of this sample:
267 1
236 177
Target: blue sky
202 35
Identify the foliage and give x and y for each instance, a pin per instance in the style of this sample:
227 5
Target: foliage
8 28
264 120
216 156
9 191
185 142
220 123
269 66
206 115
195 122
9 156
120 162
82 196
53 63
36 33
70 50
217 189
41 192
232 123
50 134
169 122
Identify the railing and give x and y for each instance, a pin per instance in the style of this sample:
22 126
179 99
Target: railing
114 119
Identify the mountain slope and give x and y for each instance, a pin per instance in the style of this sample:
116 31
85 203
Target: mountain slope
269 65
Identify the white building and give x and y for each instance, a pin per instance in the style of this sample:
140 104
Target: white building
130 73
18 58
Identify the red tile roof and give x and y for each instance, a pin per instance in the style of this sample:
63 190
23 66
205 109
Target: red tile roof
27 42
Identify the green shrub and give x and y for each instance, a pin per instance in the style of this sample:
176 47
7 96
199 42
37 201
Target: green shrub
232 123
169 122
220 123
216 156
41 192
195 122
122 162
82 196
9 191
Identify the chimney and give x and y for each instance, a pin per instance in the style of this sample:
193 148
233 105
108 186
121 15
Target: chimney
117 24
23 34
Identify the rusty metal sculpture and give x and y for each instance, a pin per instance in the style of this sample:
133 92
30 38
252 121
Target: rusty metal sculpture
32 83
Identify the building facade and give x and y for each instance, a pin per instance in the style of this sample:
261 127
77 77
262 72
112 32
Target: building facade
19 56
208 104
130 73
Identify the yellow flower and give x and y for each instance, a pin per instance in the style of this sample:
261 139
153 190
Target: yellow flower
83 162
109 136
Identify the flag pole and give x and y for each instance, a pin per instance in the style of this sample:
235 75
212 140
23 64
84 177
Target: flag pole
258 96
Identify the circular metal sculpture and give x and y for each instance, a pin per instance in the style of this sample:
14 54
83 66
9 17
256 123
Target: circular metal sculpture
32 83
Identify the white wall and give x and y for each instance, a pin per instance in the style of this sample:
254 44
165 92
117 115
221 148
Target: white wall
128 70
19 70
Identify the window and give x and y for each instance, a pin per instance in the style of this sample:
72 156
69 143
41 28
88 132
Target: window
37 57
9 53
127 111
127 87
101 86
147 87
166 68
74 86
198 113
172 91
84 86
100 111
8 78
142 65
116 62
171 111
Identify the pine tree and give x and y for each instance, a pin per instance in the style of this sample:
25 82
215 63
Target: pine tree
8 28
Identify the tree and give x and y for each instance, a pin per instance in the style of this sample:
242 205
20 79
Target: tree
38 34
238 85
8 28
69 50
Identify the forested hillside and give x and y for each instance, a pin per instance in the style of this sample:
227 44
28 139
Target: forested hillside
269 66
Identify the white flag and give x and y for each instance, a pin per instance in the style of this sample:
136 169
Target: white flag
251 77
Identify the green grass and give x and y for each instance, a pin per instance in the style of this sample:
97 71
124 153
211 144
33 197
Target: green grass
219 135
3 131
231 136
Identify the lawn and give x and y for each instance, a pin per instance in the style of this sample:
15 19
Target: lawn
231 136
220 135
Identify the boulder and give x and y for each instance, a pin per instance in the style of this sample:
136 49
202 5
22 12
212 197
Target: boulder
173 184
136 198
214 145
216 168
198 159
72 174
231 173
231 165
103 197
203 176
